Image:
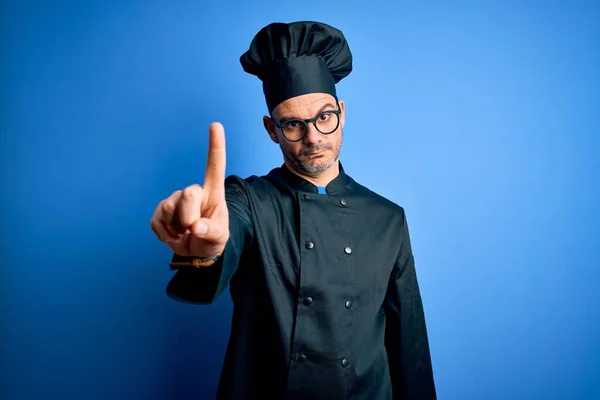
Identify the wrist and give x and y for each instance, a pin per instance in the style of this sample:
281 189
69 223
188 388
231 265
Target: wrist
197 262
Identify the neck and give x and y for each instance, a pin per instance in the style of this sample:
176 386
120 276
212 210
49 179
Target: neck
320 179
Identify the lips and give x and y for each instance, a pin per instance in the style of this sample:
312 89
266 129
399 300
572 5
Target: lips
314 153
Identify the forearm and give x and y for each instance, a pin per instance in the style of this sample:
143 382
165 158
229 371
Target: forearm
407 342
195 285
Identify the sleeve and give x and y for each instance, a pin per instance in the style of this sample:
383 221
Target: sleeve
205 285
406 337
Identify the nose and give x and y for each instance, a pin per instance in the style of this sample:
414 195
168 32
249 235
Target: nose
312 136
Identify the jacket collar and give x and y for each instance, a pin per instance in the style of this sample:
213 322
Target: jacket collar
295 182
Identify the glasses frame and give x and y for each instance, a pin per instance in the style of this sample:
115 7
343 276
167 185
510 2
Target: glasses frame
305 122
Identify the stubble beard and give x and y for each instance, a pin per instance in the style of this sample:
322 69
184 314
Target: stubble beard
316 165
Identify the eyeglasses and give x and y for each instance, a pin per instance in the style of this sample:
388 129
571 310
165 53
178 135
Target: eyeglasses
325 122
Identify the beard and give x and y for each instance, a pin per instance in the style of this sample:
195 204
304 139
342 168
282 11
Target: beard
314 165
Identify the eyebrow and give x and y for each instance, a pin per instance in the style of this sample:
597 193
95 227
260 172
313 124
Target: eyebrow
325 107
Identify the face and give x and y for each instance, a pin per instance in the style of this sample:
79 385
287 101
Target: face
316 152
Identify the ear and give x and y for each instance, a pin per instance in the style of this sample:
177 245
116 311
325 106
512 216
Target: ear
270 128
343 113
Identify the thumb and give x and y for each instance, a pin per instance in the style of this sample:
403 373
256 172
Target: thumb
210 230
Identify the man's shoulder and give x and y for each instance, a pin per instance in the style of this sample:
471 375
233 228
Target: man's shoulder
376 199
253 182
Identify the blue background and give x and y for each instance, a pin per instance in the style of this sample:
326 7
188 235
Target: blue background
481 119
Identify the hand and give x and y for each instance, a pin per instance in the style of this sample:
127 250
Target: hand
195 221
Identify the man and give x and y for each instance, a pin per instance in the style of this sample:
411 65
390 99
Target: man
321 272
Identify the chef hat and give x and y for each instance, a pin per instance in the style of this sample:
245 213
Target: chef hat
297 58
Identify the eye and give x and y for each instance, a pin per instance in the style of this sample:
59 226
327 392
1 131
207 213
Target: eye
292 124
324 116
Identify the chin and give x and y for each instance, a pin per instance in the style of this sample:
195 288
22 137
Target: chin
317 166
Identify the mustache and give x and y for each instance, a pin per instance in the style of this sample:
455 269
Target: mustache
314 149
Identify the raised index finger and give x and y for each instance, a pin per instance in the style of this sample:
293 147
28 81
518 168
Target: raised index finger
214 179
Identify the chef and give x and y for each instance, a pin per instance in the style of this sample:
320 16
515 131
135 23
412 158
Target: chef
326 302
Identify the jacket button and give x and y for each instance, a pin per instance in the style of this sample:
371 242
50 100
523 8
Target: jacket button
306 196
343 202
302 358
310 245
348 304
344 362
308 301
347 250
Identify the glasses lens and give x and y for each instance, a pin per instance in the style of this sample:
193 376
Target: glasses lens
327 122
294 129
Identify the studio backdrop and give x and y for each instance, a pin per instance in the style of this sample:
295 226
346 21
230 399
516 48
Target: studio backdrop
479 118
